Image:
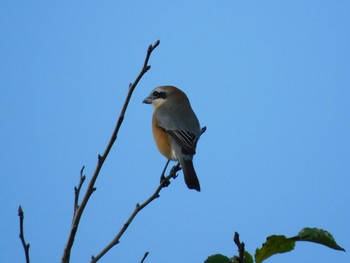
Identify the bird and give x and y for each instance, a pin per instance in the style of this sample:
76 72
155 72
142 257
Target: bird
176 129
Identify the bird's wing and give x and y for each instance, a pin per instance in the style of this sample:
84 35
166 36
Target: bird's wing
186 140
181 124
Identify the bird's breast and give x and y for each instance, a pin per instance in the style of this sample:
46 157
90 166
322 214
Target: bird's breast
163 141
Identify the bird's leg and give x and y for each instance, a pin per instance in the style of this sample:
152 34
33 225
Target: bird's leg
162 177
165 181
175 169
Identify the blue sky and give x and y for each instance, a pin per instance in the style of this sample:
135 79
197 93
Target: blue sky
270 80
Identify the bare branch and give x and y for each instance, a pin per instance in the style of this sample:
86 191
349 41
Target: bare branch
144 257
164 183
202 131
101 158
21 234
240 245
77 191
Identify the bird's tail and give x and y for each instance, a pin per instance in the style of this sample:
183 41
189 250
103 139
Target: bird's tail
190 175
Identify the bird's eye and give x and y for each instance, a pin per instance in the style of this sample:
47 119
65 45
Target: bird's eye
155 94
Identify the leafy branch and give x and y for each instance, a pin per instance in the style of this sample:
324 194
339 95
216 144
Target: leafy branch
277 244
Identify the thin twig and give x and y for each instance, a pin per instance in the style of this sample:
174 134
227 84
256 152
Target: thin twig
144 257
165 182
21 234
240 246
202 131
77 191
91 188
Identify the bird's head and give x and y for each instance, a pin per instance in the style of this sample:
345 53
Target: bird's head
162 94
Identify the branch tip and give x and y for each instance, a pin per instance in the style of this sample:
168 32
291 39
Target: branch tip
203 130
20 211
240 245
152 47
21 234
156 44
144 257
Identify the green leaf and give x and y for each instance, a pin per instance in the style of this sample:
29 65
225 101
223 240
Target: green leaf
319 236
248 257
218 258
274 245
235 259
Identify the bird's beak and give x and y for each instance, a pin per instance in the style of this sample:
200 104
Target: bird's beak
148 100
